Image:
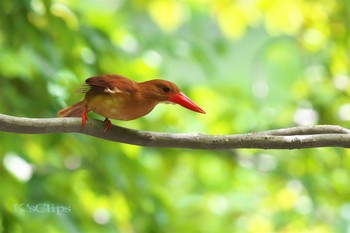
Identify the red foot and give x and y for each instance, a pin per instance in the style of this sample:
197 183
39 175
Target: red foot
84 118
108 124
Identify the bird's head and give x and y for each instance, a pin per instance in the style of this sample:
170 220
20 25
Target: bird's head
168 92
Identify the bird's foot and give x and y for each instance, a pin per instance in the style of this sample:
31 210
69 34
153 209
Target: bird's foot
108 124
84 118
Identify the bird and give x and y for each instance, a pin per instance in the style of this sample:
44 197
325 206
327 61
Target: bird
116 97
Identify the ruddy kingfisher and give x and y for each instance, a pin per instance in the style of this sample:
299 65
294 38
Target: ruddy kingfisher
116 97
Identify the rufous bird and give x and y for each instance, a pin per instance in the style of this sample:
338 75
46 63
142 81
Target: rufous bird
116 97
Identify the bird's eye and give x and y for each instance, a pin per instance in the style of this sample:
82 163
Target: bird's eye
166 89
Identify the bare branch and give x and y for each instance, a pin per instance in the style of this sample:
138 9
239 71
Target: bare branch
288 138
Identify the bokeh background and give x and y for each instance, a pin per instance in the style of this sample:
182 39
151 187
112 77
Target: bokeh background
252 65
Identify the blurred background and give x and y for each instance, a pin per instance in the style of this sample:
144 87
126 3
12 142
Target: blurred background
251 65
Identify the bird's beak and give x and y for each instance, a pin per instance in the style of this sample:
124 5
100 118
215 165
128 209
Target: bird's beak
185 102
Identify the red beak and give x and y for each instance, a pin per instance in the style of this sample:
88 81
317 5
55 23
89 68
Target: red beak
185 102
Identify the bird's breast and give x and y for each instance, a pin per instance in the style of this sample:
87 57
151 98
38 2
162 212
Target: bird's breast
119 107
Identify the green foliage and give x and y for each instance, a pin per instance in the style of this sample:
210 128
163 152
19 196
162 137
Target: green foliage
252 65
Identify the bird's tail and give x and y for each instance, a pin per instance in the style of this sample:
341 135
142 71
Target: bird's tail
76 110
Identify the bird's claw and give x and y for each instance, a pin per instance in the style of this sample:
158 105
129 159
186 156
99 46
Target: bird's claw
108 125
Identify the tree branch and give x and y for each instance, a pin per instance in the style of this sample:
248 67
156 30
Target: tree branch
288 138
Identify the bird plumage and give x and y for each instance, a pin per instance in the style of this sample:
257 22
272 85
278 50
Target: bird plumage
117 97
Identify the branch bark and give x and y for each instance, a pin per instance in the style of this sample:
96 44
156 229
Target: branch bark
287 138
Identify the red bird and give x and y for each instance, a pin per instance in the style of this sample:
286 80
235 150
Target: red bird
116 97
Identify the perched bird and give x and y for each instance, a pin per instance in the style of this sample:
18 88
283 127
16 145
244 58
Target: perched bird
116 97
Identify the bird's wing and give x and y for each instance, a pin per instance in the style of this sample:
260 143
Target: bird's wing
109 83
